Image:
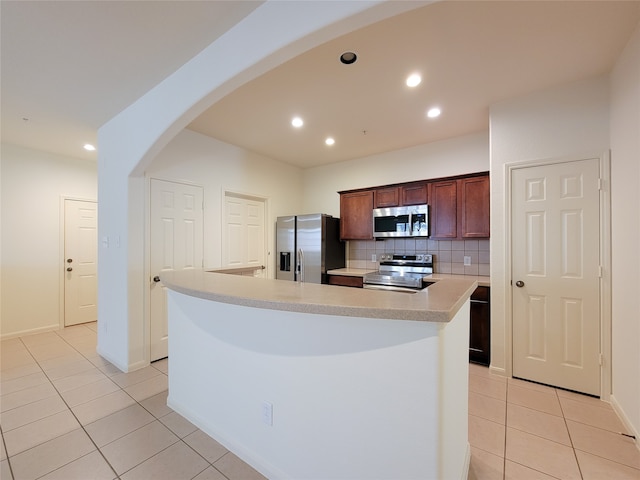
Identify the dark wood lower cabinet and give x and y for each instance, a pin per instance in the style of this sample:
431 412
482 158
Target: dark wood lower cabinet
345 280
480 327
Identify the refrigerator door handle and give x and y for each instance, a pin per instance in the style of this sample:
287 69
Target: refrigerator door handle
300 265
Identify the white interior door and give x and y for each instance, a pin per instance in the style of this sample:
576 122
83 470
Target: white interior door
80 262
556 274
176 243
244 244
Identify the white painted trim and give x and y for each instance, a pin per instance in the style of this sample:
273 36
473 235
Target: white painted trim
501 372
625 420
32 331
605 281
61 263
605 261
467 463
122 367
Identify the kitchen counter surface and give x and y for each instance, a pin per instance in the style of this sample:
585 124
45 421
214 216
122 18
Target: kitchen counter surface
350 272
437 303
483 281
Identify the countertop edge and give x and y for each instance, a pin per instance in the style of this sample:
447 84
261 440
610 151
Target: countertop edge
323 299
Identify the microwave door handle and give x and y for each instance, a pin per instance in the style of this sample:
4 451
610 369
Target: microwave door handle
410 224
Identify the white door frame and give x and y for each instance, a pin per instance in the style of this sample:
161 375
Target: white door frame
61 256
148 277
267 225
605 263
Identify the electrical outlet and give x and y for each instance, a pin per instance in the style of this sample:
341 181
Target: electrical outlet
373 257
467 261
267 413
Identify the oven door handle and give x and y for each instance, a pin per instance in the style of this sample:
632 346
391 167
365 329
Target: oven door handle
389 288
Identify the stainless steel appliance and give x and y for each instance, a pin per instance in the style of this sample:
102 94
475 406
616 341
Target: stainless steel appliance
410 221
401 273
308 246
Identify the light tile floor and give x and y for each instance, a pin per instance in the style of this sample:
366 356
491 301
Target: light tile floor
66 413
521 430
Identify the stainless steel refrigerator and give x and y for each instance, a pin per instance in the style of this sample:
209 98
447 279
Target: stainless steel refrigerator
308 246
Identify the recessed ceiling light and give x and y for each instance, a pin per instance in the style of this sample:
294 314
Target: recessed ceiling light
329 141
297 122
414 80
434 112
89 147
348 58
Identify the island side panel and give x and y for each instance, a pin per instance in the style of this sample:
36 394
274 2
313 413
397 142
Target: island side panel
351 397
454 428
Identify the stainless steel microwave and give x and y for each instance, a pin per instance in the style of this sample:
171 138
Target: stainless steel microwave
411 221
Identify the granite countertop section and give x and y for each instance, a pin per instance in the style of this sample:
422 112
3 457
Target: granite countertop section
437 303
483 281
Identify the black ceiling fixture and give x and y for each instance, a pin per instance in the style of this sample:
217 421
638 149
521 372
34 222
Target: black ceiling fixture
348 58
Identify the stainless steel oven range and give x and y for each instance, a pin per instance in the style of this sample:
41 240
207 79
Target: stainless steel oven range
400 273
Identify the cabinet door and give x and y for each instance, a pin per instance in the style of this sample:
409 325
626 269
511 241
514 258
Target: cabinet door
480 327
356 221
444 209
414 194
345 281
387 197
474 207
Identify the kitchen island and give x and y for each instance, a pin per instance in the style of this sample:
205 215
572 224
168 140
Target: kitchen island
320 381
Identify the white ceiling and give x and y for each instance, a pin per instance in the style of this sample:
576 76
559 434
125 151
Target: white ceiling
70 66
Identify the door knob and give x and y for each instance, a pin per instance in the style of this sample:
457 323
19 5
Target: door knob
69 269
519 284
69 260
156 279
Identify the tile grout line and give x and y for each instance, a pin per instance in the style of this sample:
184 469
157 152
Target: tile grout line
118 476
506 419
573 447
72 413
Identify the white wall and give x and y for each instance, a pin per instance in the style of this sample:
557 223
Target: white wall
269 36
33 183
218 166
567 121
625 225
387 402
438 159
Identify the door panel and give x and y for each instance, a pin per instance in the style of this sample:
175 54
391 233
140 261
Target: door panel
80 262
245 233
176 243
556 313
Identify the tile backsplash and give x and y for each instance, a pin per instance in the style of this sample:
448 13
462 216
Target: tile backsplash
448 255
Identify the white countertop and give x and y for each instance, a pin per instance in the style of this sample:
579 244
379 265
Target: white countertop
437 303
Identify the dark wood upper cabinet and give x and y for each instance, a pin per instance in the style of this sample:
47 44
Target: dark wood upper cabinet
414 194
387 197
443 215
356 220
458 206
474 207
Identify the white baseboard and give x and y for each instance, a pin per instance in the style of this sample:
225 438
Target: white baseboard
32 331
467 463
625 420
246 455
501 372
118 365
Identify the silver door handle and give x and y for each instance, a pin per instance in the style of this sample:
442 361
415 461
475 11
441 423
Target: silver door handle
301 265
519 284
